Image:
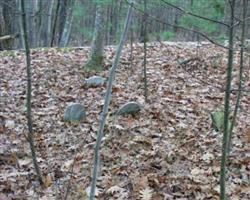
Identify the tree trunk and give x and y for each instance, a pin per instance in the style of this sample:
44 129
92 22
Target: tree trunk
29 90
31 26
64 39
7 22
242 49
107 102
227 104
145 39
45 27
62 16
96 59
53 34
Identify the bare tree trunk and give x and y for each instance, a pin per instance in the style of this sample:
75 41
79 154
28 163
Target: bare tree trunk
96 59
145 51
107 102
7 22
31 26
113 21
108 25
64 39
62 16
243 30
53 35
29 89
227 104
46 19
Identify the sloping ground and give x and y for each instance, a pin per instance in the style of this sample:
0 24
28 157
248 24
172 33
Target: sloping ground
167 151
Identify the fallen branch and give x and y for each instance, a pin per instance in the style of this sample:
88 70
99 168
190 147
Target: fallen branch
9 37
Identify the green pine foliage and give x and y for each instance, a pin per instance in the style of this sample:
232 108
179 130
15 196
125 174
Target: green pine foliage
213 9
167 35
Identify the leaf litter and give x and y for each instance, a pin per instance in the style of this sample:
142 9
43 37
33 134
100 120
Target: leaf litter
167 151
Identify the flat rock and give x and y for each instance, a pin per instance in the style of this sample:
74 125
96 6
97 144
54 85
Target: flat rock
95 81
74 113
129 108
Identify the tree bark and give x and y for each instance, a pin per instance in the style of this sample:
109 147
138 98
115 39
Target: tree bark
145 51
96 59
31 26
45 27
227 104
242 49
53 35
7 22
29 90
64 39
62 16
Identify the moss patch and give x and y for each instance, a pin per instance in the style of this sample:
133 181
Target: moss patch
94 64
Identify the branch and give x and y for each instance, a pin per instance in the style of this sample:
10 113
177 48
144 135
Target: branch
9 37
181 27
237 105
193 14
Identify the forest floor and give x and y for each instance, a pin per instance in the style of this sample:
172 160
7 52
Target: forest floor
167 151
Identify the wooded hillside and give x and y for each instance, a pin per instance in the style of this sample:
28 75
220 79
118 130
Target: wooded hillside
124 99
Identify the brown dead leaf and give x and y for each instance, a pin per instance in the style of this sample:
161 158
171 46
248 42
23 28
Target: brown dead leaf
47 181
2 125
247 135
4 197
176 123
10 159
143 140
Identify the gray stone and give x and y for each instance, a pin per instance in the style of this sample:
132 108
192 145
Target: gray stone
129 108
75 113
95 81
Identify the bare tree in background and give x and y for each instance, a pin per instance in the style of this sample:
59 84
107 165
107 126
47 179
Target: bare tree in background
44 30
7 23
145 39
63 4
64 38
95 61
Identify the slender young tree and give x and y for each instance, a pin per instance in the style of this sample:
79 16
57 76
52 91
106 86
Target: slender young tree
107 102
29 89
145 51
227 104
237 105
95 61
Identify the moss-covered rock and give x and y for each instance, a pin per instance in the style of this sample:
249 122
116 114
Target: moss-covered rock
95 63
129 108
217 117
75 113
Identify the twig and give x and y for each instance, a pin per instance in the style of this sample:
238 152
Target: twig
107 102
193 14
180 27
